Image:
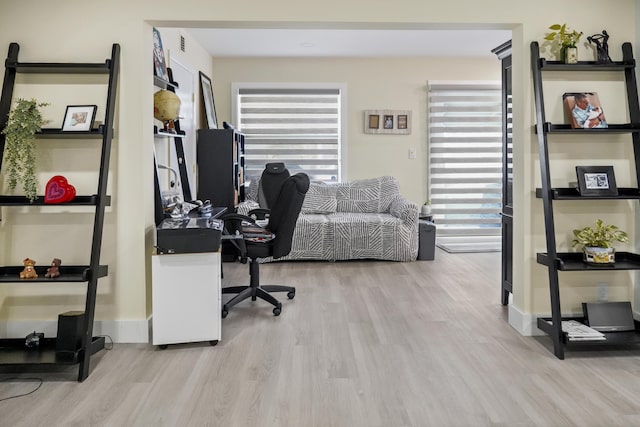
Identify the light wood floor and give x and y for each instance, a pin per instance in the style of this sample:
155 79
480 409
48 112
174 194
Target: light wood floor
362 344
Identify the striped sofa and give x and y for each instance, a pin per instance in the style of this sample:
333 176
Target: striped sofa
362 219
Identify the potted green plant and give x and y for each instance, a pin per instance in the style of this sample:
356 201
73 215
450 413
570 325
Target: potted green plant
426 208
25 119
596 242
566 41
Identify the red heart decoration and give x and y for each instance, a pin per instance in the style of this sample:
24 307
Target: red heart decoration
58 190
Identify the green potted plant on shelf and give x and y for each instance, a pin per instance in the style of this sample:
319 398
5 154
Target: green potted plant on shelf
25 119
566 41
597 242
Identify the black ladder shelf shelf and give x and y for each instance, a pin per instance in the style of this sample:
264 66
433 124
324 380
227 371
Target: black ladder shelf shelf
572 261
13 350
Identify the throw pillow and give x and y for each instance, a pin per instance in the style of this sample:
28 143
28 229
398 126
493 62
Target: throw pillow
320 199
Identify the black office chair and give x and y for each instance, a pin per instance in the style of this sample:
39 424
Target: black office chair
275 242
273 176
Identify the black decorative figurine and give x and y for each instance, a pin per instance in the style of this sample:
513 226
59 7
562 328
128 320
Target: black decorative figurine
602 48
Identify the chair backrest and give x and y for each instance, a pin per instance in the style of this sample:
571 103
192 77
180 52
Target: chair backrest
285 211
271 181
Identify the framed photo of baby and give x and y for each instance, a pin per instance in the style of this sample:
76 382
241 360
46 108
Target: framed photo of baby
584 111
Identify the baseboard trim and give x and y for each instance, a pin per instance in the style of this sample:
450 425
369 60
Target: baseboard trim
525 323
120 331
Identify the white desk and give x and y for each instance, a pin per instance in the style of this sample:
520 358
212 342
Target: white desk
186 298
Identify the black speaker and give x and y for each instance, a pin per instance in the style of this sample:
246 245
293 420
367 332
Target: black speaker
70 327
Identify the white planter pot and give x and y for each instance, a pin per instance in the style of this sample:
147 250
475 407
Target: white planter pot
425 210
594 255
570 55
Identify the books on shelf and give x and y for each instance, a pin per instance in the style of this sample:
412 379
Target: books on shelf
577 331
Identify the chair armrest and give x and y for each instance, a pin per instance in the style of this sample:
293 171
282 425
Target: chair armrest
405 210
259 213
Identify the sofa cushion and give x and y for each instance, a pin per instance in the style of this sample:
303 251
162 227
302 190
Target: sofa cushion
320 199
372 195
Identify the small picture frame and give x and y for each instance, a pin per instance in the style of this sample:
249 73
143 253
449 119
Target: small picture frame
374 121
596 181
79 118
583 110
207 98
396 122
402 121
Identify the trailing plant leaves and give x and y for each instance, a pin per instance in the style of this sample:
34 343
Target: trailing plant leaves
24 121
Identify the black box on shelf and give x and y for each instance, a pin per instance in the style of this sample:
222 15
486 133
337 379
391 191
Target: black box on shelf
189 235
70 328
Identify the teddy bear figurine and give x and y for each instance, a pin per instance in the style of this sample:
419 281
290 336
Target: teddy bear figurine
54 271
29 271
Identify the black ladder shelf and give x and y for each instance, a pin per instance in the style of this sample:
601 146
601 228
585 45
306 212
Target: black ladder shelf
572 261
14 352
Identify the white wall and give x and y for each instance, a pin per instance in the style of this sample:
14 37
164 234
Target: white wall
399 84
84 31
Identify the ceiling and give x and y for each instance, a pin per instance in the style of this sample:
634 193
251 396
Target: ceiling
243 42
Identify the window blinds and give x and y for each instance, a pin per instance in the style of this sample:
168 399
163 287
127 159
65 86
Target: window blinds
465 157
297 126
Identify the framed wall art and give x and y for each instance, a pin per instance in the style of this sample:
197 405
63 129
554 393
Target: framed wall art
79 118
159 62
387 122
596 181
209 105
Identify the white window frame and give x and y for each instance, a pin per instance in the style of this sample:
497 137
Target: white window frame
342 87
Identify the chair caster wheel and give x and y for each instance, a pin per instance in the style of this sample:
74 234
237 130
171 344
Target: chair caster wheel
243 260
213 342
224 312
291 294
163 346
277 310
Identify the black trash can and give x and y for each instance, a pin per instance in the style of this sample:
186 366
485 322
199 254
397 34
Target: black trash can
426 240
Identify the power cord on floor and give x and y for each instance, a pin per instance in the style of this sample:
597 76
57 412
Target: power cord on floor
111 342
24 394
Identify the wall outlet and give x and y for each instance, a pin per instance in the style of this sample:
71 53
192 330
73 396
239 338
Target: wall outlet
412 153
603 292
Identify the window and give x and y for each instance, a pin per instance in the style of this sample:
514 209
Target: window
300 126
465 157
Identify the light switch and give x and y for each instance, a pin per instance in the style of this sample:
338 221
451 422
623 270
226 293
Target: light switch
412 153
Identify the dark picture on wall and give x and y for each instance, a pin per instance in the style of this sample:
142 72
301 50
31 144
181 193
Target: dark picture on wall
207 98
583 110
159 63
388 122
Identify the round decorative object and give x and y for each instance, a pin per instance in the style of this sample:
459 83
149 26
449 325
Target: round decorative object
166 105
595 255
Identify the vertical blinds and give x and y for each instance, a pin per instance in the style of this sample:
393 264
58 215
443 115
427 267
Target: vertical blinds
297 126
465 158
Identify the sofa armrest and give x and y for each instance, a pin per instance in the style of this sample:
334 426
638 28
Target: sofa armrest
405 210
243 208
